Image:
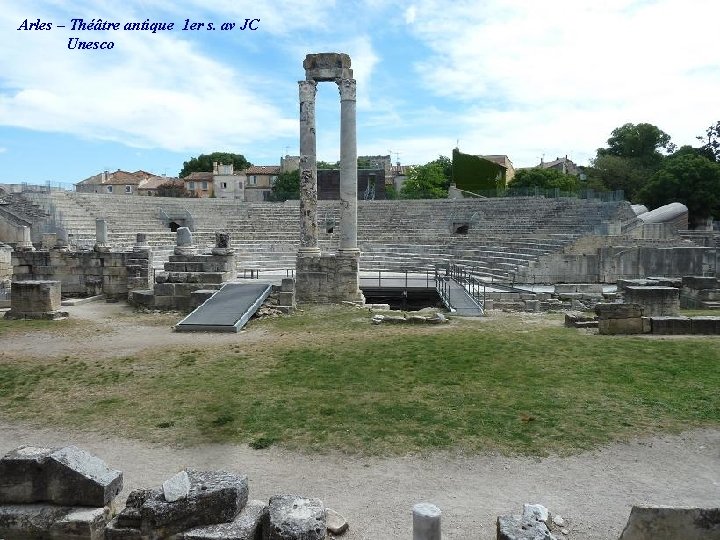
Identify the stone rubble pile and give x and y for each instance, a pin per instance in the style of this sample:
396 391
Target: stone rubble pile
68 494
535 523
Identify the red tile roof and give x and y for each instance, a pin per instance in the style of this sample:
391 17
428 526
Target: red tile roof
263 169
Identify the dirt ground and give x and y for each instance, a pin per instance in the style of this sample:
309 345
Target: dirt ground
593 491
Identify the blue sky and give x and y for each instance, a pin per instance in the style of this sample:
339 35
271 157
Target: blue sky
518 77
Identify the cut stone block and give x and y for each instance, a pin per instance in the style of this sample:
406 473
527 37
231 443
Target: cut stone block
65 476
671 325
81 524
705 325
214 497
48 521
248 525
618 311
620 326
666 523
293 517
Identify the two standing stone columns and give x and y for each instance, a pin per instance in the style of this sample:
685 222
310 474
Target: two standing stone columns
328 278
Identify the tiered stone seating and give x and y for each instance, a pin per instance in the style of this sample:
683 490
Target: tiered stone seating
502 234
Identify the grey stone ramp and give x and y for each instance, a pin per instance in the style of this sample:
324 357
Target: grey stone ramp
227 310
460 301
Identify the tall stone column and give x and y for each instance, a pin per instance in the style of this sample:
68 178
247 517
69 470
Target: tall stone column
308 171
348 166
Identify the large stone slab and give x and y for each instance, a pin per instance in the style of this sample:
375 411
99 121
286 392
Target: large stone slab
667 523
296 518
214 497
65 476
248 525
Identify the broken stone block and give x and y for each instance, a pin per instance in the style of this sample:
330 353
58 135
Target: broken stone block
293 517
336 523
176 487
248 525
66 476
667 523
537 512
214 497
77 478
521 528
113 531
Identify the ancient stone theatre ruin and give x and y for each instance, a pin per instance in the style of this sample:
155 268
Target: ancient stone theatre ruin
326 277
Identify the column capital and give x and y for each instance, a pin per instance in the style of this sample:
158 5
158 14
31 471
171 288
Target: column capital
308 89
347 89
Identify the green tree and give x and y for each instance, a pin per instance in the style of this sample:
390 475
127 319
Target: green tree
287 186
204 163
171 189
619 173
712 142
425 182
544 179
447 167
634 153
688 178
638 141
327 165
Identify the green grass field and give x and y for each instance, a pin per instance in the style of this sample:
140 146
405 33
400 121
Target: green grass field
331 381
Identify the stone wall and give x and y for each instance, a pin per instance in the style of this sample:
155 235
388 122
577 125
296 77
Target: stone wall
608 264
86 273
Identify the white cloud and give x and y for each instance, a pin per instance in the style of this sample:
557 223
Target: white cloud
3 150
410 14
150 91
593 65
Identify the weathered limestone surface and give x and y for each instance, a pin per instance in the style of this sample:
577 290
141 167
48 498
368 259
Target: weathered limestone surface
176 487
655 300
86 273
248 525
65 476
328 279
666 523
214 497
522 528
296 518
60 494
327 67
308 170
30 521
35 300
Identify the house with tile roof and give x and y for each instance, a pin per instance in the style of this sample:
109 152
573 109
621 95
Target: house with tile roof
114 183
